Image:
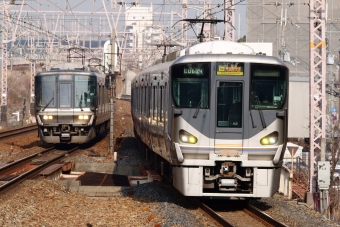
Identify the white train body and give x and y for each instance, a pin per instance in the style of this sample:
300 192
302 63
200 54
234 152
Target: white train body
217 122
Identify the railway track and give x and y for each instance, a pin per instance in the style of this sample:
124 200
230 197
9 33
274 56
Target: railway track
29 167
238 214
17 131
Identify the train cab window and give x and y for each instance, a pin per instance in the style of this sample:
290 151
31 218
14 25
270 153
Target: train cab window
45 87
85 91
190 85
268 86
229 104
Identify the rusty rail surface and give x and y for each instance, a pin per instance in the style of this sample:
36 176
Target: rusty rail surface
32 172
17 131
248 211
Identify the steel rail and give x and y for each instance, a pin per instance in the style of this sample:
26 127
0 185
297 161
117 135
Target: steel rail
25 159
33 172
248 210
218 218
260 215
13 132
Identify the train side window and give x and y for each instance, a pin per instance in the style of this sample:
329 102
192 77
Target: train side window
100 95
149 101
153 102
161 103
165 101
144 100
103 89
137 99
140 99
134 98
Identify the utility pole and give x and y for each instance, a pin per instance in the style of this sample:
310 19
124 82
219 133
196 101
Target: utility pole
112 76
229 18
4 53
317 46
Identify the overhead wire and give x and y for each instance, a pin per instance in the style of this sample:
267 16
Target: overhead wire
163 18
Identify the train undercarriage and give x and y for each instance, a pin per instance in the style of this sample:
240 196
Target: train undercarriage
226 179
68 133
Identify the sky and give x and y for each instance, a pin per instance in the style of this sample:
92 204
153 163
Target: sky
89 7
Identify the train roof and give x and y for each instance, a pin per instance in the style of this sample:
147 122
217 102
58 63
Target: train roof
219 47
214 51
215 58
247 58
158 67
71 68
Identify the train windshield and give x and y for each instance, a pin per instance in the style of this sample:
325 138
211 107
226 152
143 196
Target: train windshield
190 85
45 91
268 86
85 91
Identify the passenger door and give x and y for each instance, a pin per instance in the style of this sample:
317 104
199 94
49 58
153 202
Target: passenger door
229 122
65 102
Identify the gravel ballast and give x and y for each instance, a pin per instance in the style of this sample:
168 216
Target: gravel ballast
47 203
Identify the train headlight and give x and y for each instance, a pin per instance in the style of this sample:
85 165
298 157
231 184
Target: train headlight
83 117
186 137
47 117
270 139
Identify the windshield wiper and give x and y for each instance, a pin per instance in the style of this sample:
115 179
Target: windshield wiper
260 113
252 120
198 108
47 104
80 102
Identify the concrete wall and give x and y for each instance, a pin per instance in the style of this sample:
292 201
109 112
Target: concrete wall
298 108
284 181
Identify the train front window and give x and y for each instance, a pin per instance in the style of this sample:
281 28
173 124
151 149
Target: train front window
45 91
190 85
229 104
268 86
85 91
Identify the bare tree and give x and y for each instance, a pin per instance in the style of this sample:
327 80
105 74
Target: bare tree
333 145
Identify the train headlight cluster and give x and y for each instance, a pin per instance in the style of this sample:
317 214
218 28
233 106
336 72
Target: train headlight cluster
270 139
47 117
186 137
83 117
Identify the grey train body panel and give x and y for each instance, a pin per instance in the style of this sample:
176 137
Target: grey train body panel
71 105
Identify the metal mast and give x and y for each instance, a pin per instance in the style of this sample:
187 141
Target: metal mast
317 82
184 16
206 15
229 17
4 39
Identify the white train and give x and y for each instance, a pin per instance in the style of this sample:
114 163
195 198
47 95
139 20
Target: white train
71 104
215 120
